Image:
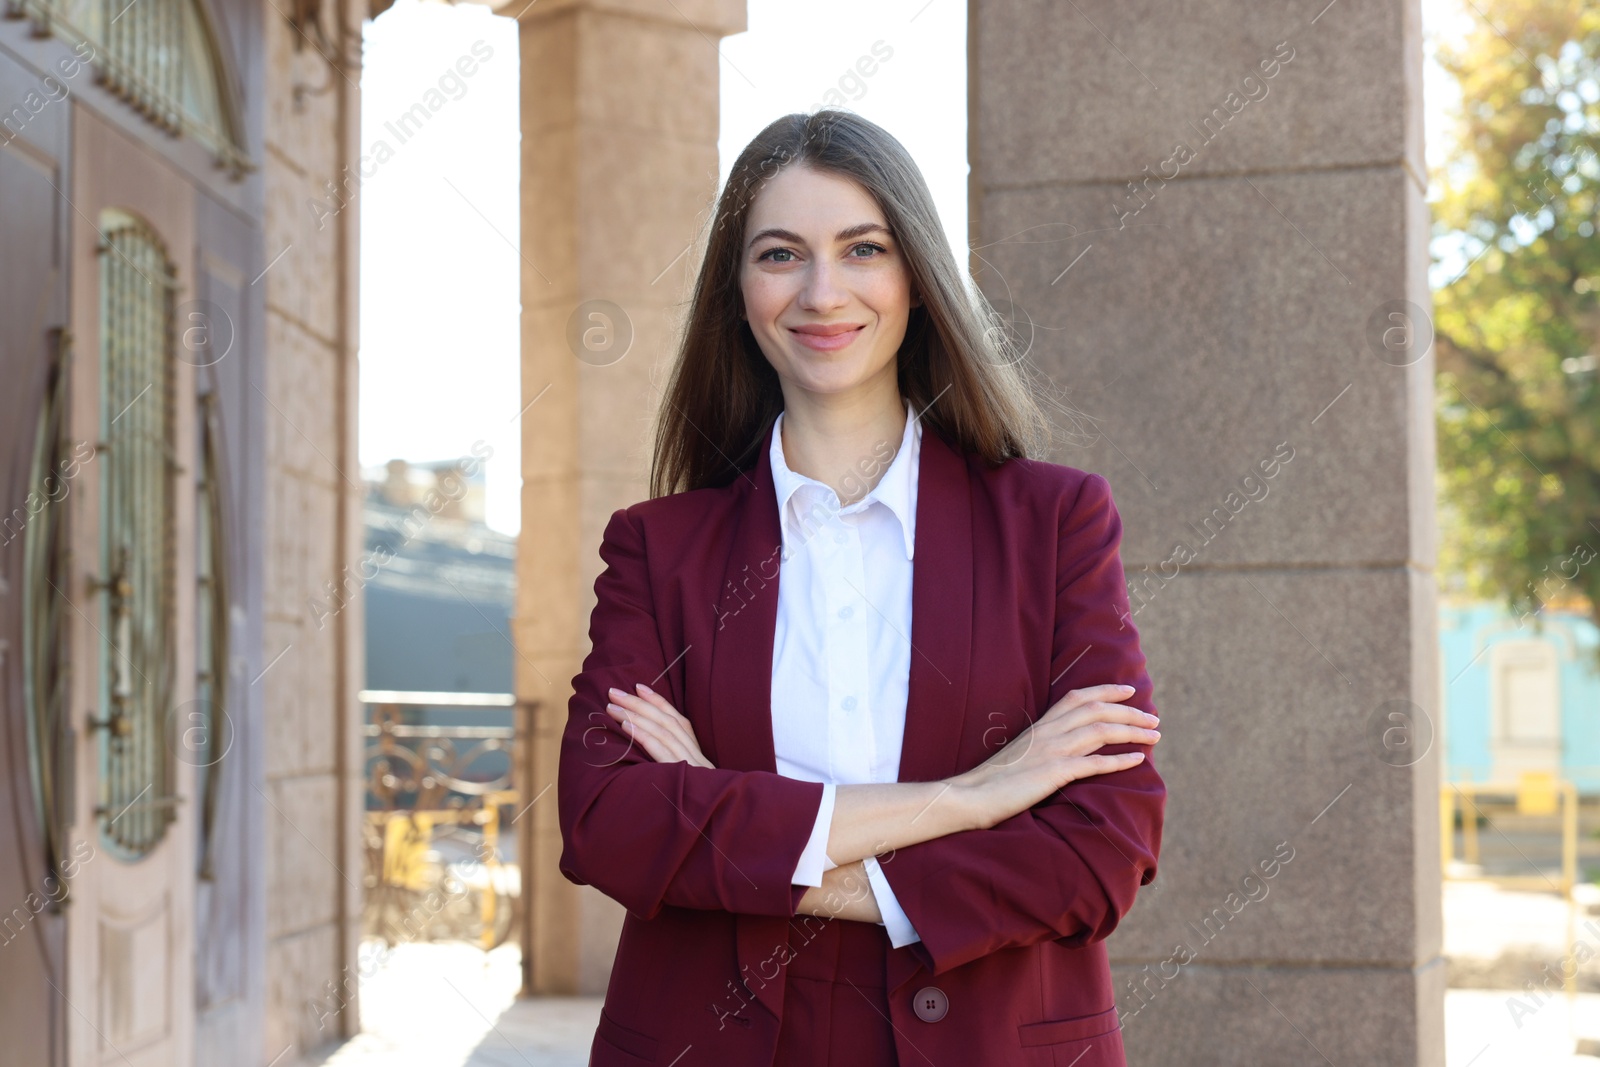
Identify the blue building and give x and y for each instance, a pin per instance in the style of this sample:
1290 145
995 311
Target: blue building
440 588
440 597
1519 695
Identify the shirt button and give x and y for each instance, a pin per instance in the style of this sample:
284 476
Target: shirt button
846 612
841 537
848 703
930 1004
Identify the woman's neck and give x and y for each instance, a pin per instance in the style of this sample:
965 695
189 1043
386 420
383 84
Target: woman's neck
843 443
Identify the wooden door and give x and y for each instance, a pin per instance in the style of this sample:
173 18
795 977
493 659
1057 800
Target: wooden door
34 162
130 936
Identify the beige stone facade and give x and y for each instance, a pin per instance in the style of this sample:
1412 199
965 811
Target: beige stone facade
1216 305
618 179
313 756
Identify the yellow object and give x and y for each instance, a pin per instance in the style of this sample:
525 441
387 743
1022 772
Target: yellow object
1538 793
408 844
407 837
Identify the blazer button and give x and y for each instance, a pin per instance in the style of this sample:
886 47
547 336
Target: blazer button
930 1004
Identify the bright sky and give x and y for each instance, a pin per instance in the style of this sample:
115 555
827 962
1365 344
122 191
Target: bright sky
439 217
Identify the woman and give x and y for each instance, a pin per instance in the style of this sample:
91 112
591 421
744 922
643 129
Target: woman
862 743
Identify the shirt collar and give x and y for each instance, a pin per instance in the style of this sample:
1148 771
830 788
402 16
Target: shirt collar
896 490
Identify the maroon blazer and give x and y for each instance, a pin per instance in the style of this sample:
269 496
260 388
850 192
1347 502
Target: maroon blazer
1018 596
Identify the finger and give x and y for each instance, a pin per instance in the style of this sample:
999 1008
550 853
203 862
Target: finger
674 723
632 707
1097 735
663 748
668 724
679 739
642 708
1100 711
1088 766
646 741
1136 735
667 709
645 720
1078 697
655 707
659 701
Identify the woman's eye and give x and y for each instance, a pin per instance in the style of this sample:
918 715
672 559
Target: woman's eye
867 244
775 252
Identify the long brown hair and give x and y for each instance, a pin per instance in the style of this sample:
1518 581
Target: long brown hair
957 365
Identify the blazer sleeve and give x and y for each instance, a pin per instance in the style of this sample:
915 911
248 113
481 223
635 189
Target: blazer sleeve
649 834
1069 867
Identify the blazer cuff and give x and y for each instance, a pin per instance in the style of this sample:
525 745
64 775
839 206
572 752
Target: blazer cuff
895 921
814 860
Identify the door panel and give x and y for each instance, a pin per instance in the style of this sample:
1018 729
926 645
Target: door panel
33 303
130 933
230 909
135 978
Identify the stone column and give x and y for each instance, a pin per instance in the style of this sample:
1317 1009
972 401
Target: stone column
1213 228
619 165
314 790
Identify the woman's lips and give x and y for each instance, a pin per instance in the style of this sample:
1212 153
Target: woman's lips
826 342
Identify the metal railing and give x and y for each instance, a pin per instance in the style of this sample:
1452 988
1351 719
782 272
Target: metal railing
436 866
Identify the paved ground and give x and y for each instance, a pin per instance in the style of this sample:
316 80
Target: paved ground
452 1006
1480 1030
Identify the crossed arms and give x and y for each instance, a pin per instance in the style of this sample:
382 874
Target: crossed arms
650 834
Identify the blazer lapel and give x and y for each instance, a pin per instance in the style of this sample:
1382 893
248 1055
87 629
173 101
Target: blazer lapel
941 647
941 614
746 620
741 691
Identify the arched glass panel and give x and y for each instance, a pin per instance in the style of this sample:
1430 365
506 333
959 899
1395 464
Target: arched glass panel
136 616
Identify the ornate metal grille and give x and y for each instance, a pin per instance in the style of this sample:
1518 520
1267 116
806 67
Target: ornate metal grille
144 64
136 536
208 731
46 660
437 798
162 56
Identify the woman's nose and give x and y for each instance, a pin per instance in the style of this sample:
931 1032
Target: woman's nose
822 290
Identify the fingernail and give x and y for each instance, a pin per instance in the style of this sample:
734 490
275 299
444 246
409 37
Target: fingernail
1129 688
614 691
646 689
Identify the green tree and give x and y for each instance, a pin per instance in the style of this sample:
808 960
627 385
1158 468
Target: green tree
1518 329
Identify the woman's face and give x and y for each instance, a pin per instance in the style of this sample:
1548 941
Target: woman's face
826 288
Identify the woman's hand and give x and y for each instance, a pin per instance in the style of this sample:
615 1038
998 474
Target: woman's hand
665 735
1061 747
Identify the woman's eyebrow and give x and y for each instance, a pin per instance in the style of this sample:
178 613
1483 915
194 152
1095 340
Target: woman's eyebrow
858 230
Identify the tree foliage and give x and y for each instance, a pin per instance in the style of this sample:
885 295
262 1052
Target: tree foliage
1518 329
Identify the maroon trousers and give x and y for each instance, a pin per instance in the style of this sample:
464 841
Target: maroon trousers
835 1006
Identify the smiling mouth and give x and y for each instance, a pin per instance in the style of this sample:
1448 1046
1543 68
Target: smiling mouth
827 342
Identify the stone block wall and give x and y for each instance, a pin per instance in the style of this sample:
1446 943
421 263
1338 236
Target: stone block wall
313 632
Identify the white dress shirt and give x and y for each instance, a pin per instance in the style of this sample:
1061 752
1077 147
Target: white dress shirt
841 658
